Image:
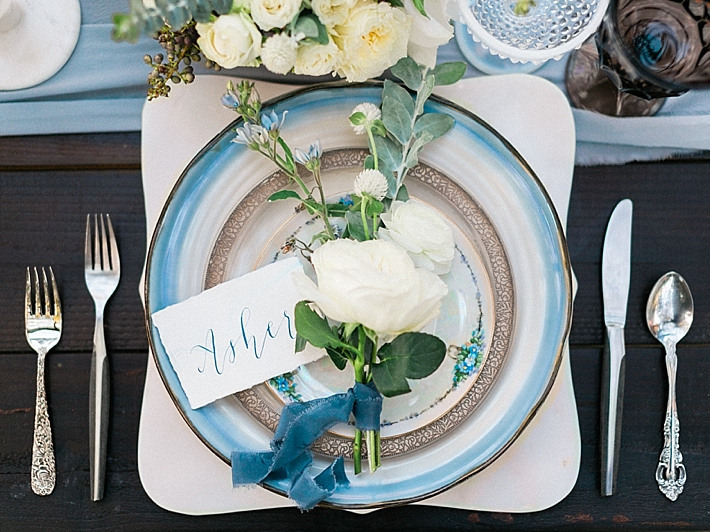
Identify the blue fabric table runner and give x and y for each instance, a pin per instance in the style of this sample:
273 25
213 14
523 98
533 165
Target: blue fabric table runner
103 85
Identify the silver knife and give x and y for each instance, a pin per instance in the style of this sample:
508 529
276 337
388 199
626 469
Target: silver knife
616 274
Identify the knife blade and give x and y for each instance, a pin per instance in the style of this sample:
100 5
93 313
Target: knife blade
616 276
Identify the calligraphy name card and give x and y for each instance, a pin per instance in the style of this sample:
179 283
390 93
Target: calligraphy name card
235 335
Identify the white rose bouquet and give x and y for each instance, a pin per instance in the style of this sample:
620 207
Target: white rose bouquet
354 39
377 272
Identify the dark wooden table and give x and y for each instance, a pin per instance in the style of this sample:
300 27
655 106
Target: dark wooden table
49 184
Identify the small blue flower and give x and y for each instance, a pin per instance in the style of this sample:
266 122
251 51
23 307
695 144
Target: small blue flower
230 100
314 152
347 200
271 121
251 135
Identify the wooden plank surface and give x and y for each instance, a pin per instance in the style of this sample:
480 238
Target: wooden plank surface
43 205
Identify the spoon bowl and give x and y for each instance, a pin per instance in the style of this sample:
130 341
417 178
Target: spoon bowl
669 314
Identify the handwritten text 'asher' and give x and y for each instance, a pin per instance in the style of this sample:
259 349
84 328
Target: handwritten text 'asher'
247 342
235 335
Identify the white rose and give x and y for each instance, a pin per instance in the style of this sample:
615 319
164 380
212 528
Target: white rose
373 39
422 232
279 53
374 283
428 34
332 12
270 14
317 59
230 41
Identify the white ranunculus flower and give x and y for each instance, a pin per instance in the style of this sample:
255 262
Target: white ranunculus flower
371 112
332 12
230 41
372 39
278 53
422 232
428 34
270 14
317 59
374 283
371 182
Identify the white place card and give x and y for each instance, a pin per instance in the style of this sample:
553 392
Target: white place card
235 335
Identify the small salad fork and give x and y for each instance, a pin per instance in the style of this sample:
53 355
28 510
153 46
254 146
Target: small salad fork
102 271
43 328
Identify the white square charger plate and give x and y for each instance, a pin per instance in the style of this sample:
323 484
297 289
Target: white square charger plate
180 474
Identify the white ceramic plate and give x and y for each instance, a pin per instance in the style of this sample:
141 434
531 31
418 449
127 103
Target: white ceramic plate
476 161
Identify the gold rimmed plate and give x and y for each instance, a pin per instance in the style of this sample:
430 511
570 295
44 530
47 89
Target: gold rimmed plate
217 225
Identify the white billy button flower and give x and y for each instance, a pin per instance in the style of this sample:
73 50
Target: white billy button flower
374 283
371 182
278 53
270 14
230 41
422 232
371 113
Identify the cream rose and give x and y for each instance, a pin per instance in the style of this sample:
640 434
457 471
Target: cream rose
373 38
230 41
374 283
422 232
317 59
279 53
332 12
270 14
428 34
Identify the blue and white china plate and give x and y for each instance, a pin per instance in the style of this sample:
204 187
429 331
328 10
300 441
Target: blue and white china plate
217 225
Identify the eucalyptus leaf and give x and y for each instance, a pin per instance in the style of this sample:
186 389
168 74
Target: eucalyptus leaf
449 73
201 10
222 7
436 124
409 72
388 152
409 356
403 193
424 93
311 27
413 154
175 12
312 327
284 194
396 119
392 90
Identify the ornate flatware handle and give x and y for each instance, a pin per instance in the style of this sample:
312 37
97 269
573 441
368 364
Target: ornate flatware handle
670 473
43 466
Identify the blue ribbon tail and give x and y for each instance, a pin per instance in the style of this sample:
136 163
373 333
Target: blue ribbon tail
308 491
300 425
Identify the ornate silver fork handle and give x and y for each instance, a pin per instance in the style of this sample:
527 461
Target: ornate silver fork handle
670 473
43 467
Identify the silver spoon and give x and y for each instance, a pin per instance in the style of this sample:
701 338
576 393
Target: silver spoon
669 313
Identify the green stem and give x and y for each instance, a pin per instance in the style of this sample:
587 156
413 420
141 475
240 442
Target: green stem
357 452
373 147
324 211
363 215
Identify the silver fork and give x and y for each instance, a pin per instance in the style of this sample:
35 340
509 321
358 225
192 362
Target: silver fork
43 328
102 271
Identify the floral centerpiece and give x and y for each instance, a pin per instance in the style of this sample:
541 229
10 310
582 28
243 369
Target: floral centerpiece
379 256
354 39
